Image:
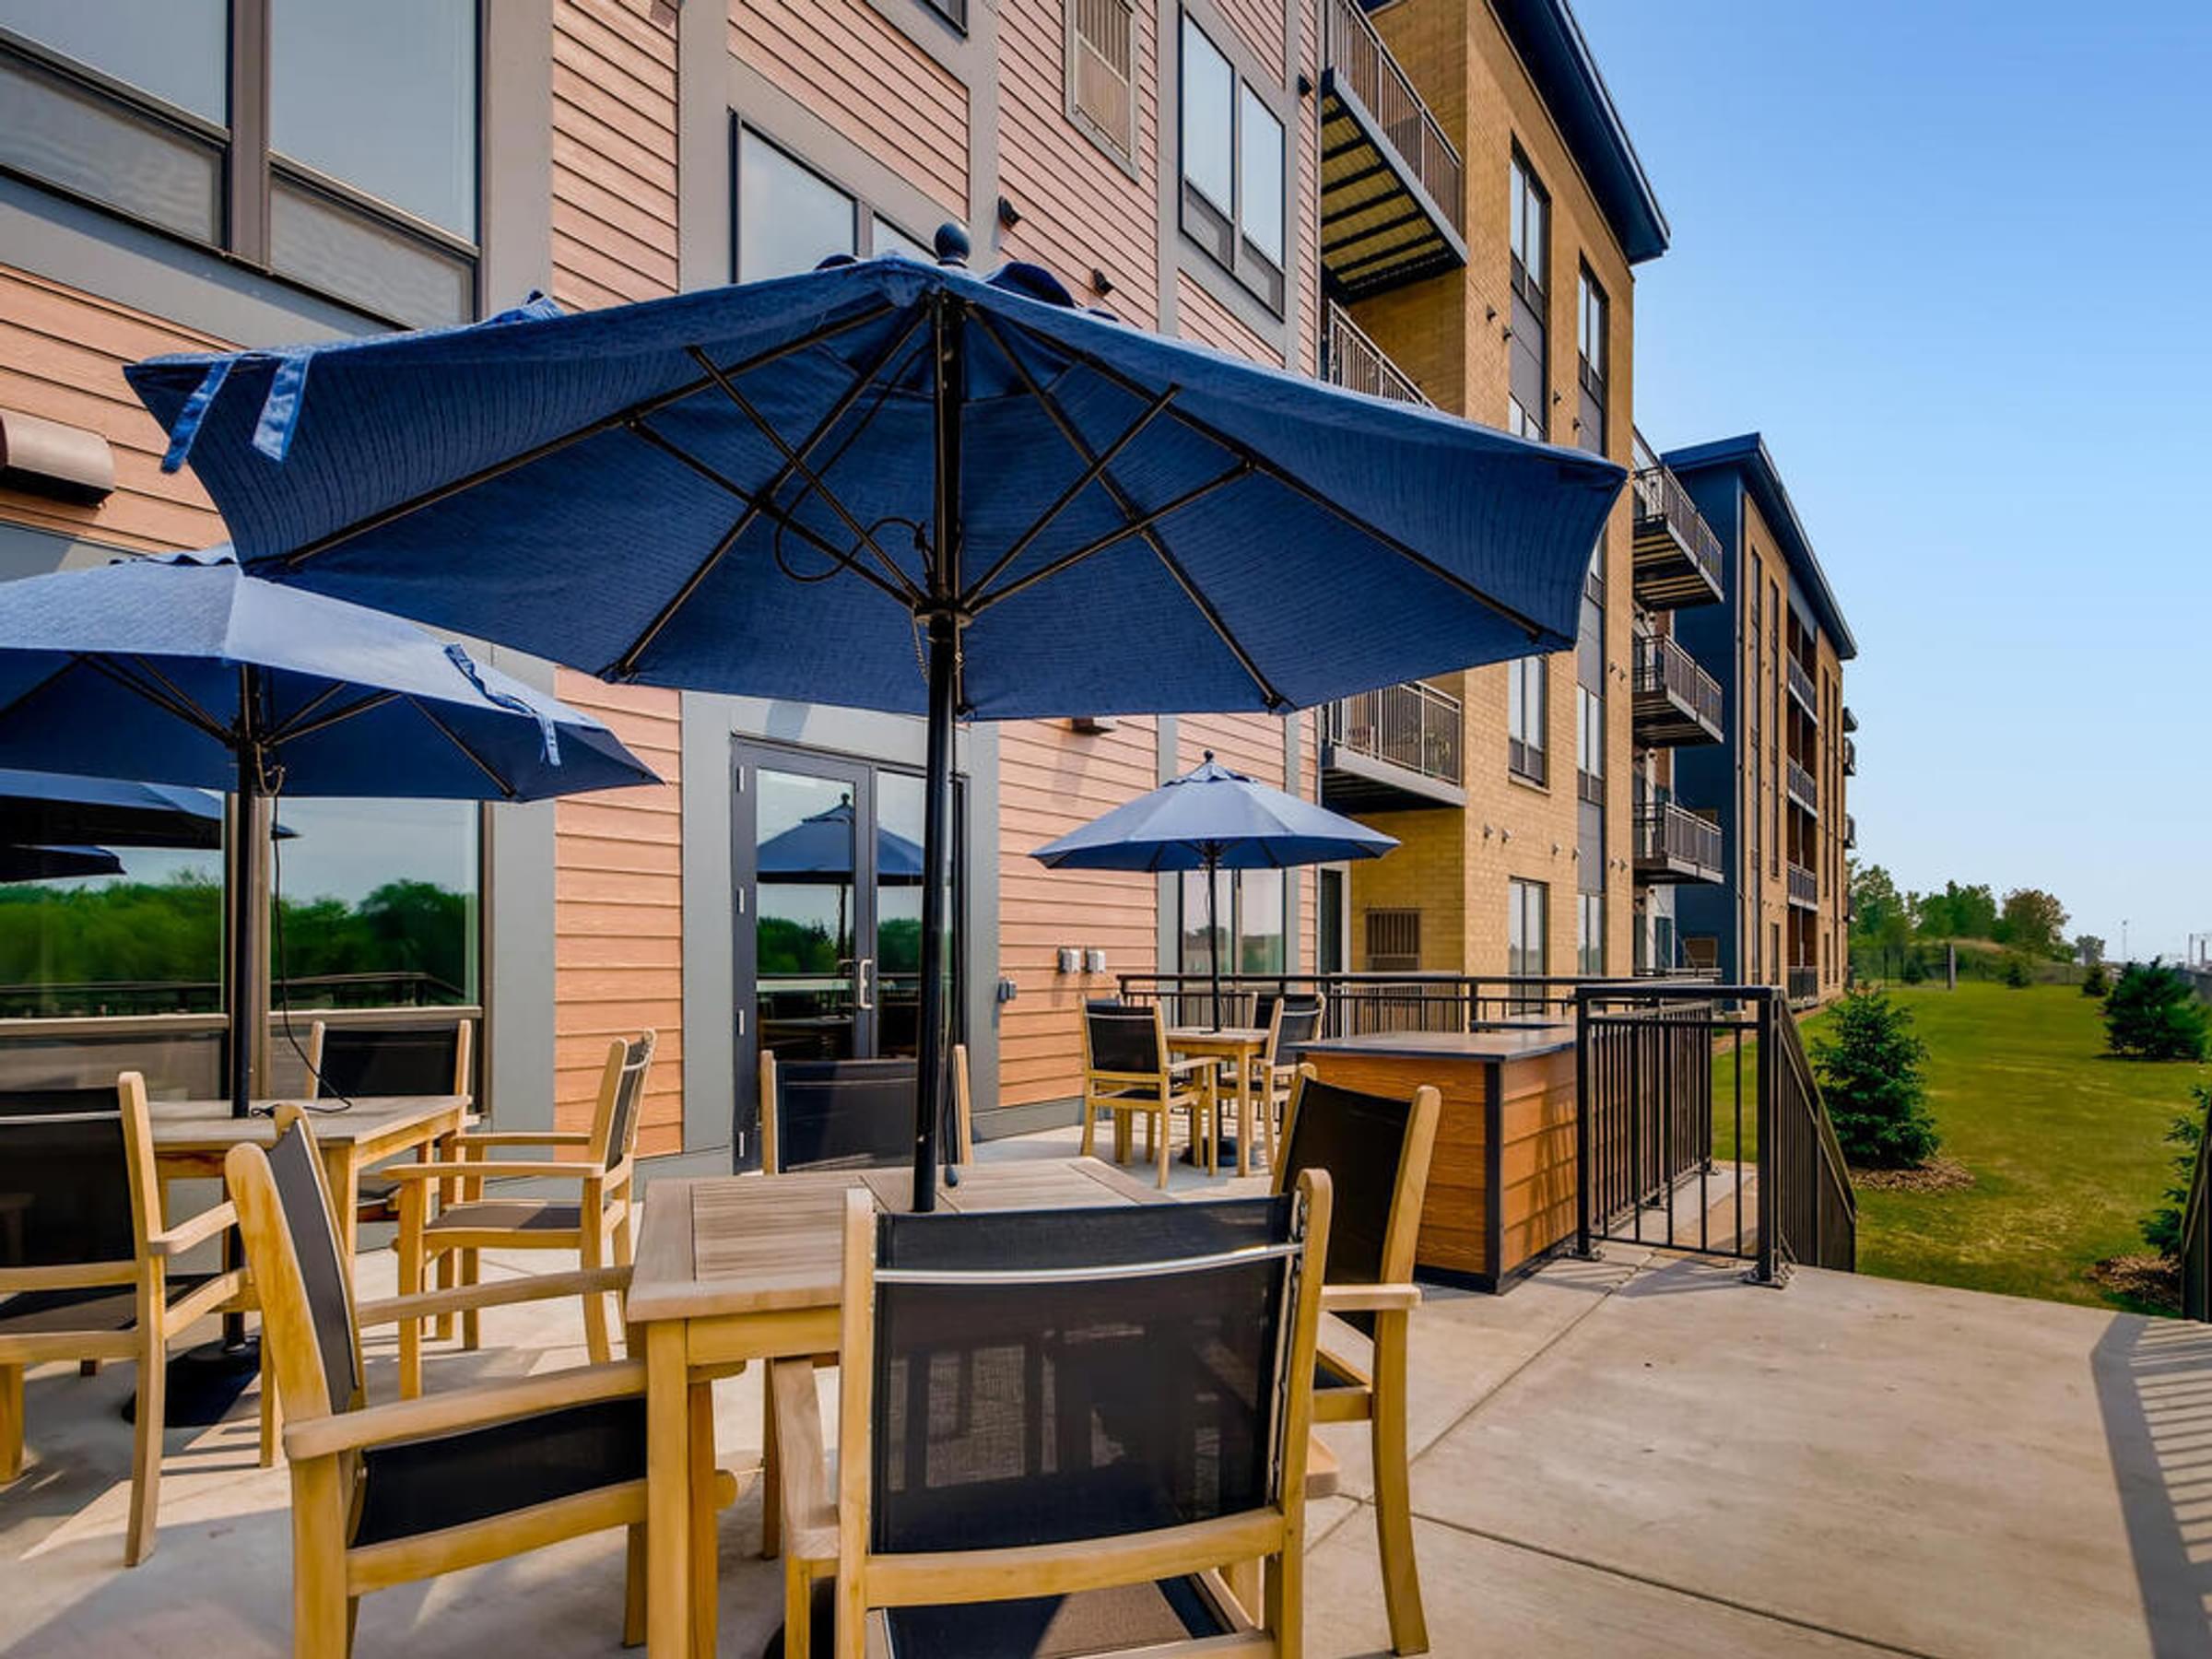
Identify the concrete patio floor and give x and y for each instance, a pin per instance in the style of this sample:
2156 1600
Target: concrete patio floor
1640 1455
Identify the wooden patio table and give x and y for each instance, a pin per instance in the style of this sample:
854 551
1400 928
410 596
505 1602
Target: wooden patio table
745 1268
1239 1044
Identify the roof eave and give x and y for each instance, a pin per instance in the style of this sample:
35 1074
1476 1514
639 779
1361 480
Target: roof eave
1748 455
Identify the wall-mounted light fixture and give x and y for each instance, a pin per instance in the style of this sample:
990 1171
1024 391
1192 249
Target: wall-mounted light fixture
62 463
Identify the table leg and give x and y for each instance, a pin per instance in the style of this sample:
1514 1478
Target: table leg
667 1493
1243 1113
705 1535
344 1171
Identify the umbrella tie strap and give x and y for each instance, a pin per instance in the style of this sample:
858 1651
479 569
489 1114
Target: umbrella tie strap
194 411
280 408
508 700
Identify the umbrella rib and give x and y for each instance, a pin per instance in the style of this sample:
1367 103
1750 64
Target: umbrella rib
605 423
795 461
627 664
1140 525
1534 630
1246 464
309 706
506 789
163 696
841 557
1083 481
296 728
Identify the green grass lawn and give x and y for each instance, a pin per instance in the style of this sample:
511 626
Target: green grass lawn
2066 1147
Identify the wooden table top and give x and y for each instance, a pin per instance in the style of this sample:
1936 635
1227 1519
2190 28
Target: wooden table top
1228 1037
738 1244
207 1125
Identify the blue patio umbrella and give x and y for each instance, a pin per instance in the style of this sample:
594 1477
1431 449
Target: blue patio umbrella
54 864
896 486
822 846
1214 820
186 671
47 808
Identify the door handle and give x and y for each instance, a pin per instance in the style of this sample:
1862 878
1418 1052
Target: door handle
865 982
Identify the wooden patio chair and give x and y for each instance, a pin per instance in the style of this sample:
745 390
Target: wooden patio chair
1291 1021
1376 1151
1132 1473
390 1494
597 1223
85 1267
851 1114
1128 1072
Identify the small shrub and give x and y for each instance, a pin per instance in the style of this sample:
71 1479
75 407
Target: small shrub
2016 972
2097 982
1915 972
2152 1013
2162 1227
1870 1063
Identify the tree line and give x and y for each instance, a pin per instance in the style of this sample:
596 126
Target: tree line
1887 919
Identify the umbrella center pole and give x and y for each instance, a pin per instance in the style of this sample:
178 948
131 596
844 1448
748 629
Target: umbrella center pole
245 931
936 883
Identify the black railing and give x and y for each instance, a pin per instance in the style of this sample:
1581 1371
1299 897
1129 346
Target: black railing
1360 1004
1804 984
1663 666
134 998
2196 1234
1362 66
1663 504
1805 887
1349 358
1801 686
1670 834
1851 757
1413 725
1700 1127
1802 788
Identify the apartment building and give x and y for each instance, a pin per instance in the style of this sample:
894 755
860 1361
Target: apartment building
1771 794
1483 212
183 174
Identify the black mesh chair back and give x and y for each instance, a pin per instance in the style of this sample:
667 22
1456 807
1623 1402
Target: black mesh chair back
1124 1040
297 1171
629 1091
57 1102
1361 1139
66 1188
361 1062
844 1113
1300 1024
1263 1008
1045 1376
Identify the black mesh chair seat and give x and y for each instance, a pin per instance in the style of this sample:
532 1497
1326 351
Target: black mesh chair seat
509 1215
1038 1626
421 1486
83 1307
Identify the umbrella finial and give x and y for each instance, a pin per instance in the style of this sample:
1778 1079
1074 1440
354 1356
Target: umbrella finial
1209 755
951 244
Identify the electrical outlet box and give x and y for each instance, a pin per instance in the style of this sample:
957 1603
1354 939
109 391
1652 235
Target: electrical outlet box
1094 961
1070 958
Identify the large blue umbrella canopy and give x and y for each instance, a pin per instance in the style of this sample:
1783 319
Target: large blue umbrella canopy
1214 820
52 864
187 671
896 486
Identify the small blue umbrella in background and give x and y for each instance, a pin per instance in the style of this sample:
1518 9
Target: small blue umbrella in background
893 486
1214 820
821 846
49 808
184 670
55 863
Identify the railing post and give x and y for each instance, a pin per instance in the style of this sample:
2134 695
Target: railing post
1767 1166
1583 1094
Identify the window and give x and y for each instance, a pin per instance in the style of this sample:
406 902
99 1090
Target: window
1591 332
1233 159
355 171
1525 718
790 219
1394 941
1249 906
1589 732
1528 405
1527 913
1590 934
888 239
1102 75
953 12
1530 211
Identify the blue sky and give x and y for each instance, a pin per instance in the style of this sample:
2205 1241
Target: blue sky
1952 258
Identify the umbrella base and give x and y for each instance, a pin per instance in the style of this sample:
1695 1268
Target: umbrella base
1226 1154
205 1382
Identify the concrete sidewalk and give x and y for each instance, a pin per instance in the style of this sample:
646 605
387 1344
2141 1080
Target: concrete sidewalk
1636 1455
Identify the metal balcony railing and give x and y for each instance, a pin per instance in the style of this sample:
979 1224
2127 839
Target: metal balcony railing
1804 984
1678 556
1415 726
1355 54
1802 788
1851 832
1664 670
1801 686
1349 358
1671 835
1805 887
1851 758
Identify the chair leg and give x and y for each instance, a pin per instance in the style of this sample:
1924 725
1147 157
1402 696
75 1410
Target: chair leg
591 1248
146 1426
625 1256
271 1419
633 1589
1394 1490
322 1612
11 1422
772 1477
448 1271
798 1610
411 1251
88 1368
471 1330
1160 1118
1090 1127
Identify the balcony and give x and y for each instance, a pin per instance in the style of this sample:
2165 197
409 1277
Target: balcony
1392 750
1851 832
1850 721
1801 787
1801 686
1675 844
1676 703
1350 360
1851 757
1805 887
1805 985
1392 184
1679 559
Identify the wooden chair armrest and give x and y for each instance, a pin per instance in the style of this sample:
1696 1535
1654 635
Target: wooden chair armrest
1191 1063
536 1287
523 1137
198 1230
470 1408
1369 1299
492 1168
803 1469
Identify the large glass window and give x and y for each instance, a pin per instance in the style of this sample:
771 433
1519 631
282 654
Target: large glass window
1528 921
1526 717
789 217
1591 313
381 98
1233 159
1530 213
1209 121
1260 175
1590 934
1249 909
146 938
352 166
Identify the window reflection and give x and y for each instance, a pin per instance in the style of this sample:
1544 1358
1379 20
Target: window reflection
789 217
179 50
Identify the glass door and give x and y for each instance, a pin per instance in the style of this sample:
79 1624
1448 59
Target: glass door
827 866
